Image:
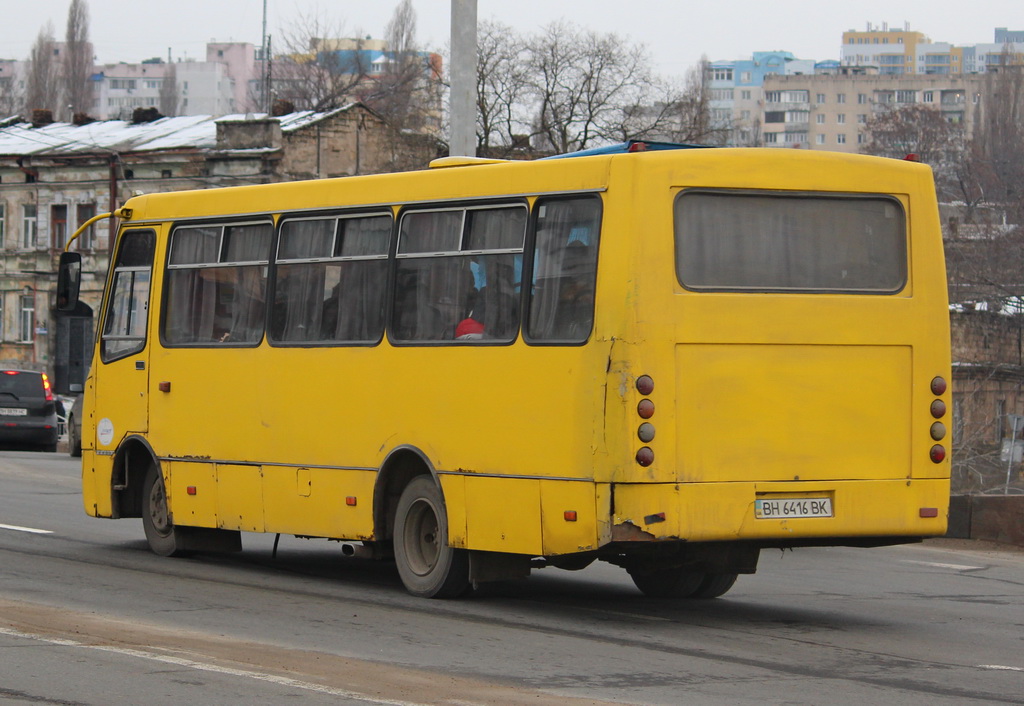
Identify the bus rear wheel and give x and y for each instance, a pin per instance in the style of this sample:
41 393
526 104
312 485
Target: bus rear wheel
677 582
156 518
428 566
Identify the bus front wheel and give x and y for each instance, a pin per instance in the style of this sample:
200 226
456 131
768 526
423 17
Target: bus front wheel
428 566
156 518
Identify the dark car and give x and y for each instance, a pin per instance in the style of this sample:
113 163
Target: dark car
28 410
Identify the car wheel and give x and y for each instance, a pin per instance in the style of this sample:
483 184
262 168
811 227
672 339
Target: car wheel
74 442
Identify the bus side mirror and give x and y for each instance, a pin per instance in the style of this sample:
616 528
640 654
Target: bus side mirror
69 280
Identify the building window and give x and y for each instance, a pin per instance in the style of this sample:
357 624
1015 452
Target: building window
862 119
820 98
860 138
840 98
745 95
27 320
820 139
928 97
819 118
3 222
58 226
862 98
29 226
87 240
841 118
771 137
841 139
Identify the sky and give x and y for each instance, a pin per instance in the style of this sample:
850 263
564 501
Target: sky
676 32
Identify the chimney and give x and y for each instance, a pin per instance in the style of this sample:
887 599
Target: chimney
41 117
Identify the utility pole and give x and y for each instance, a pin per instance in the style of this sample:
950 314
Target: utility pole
463 97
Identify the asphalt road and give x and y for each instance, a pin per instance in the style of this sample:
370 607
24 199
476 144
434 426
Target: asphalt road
89 616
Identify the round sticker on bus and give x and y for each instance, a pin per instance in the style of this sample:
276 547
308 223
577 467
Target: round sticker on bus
105 431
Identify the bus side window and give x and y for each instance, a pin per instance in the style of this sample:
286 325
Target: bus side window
331 280
565 270
457 275
124 326
216 284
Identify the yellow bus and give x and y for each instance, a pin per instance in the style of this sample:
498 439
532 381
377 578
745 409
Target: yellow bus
666 359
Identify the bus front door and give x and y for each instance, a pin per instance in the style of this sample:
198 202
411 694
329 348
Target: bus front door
121 405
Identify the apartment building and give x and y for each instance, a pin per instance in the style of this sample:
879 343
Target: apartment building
902 52
830 110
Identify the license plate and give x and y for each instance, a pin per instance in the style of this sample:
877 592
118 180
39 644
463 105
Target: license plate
785 508
13 412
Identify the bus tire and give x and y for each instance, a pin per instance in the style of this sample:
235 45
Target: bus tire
428 566
714 585
672 582
156 518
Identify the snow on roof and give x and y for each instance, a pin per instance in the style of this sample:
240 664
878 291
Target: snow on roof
194 131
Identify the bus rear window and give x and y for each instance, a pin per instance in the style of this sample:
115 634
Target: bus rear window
771 242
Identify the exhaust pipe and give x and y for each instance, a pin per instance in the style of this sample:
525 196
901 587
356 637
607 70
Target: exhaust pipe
360 551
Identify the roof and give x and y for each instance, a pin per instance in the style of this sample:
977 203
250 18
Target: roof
194 131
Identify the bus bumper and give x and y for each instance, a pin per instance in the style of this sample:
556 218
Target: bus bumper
719 512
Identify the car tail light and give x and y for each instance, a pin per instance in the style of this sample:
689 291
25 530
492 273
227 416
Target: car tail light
46 388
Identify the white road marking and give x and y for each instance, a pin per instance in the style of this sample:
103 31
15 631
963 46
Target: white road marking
938 565
30 530
205 667
1001 667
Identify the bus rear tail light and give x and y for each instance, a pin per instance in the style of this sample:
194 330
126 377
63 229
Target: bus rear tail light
938 409
938 431
645 409
646 432
938 453
928 512
645 456
938 386
645 384
569 515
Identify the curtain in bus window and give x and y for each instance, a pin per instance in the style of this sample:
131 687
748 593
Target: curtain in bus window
745 241
565 270
211 300
340 299
468 293
299 288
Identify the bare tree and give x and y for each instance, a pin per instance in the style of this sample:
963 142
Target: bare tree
677 112
582 80
568 88
923 131
401 91
998 146
315 70
502 89
169 91
77 59
10 95
41 81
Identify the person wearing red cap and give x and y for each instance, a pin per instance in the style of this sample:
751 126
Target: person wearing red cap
469 329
